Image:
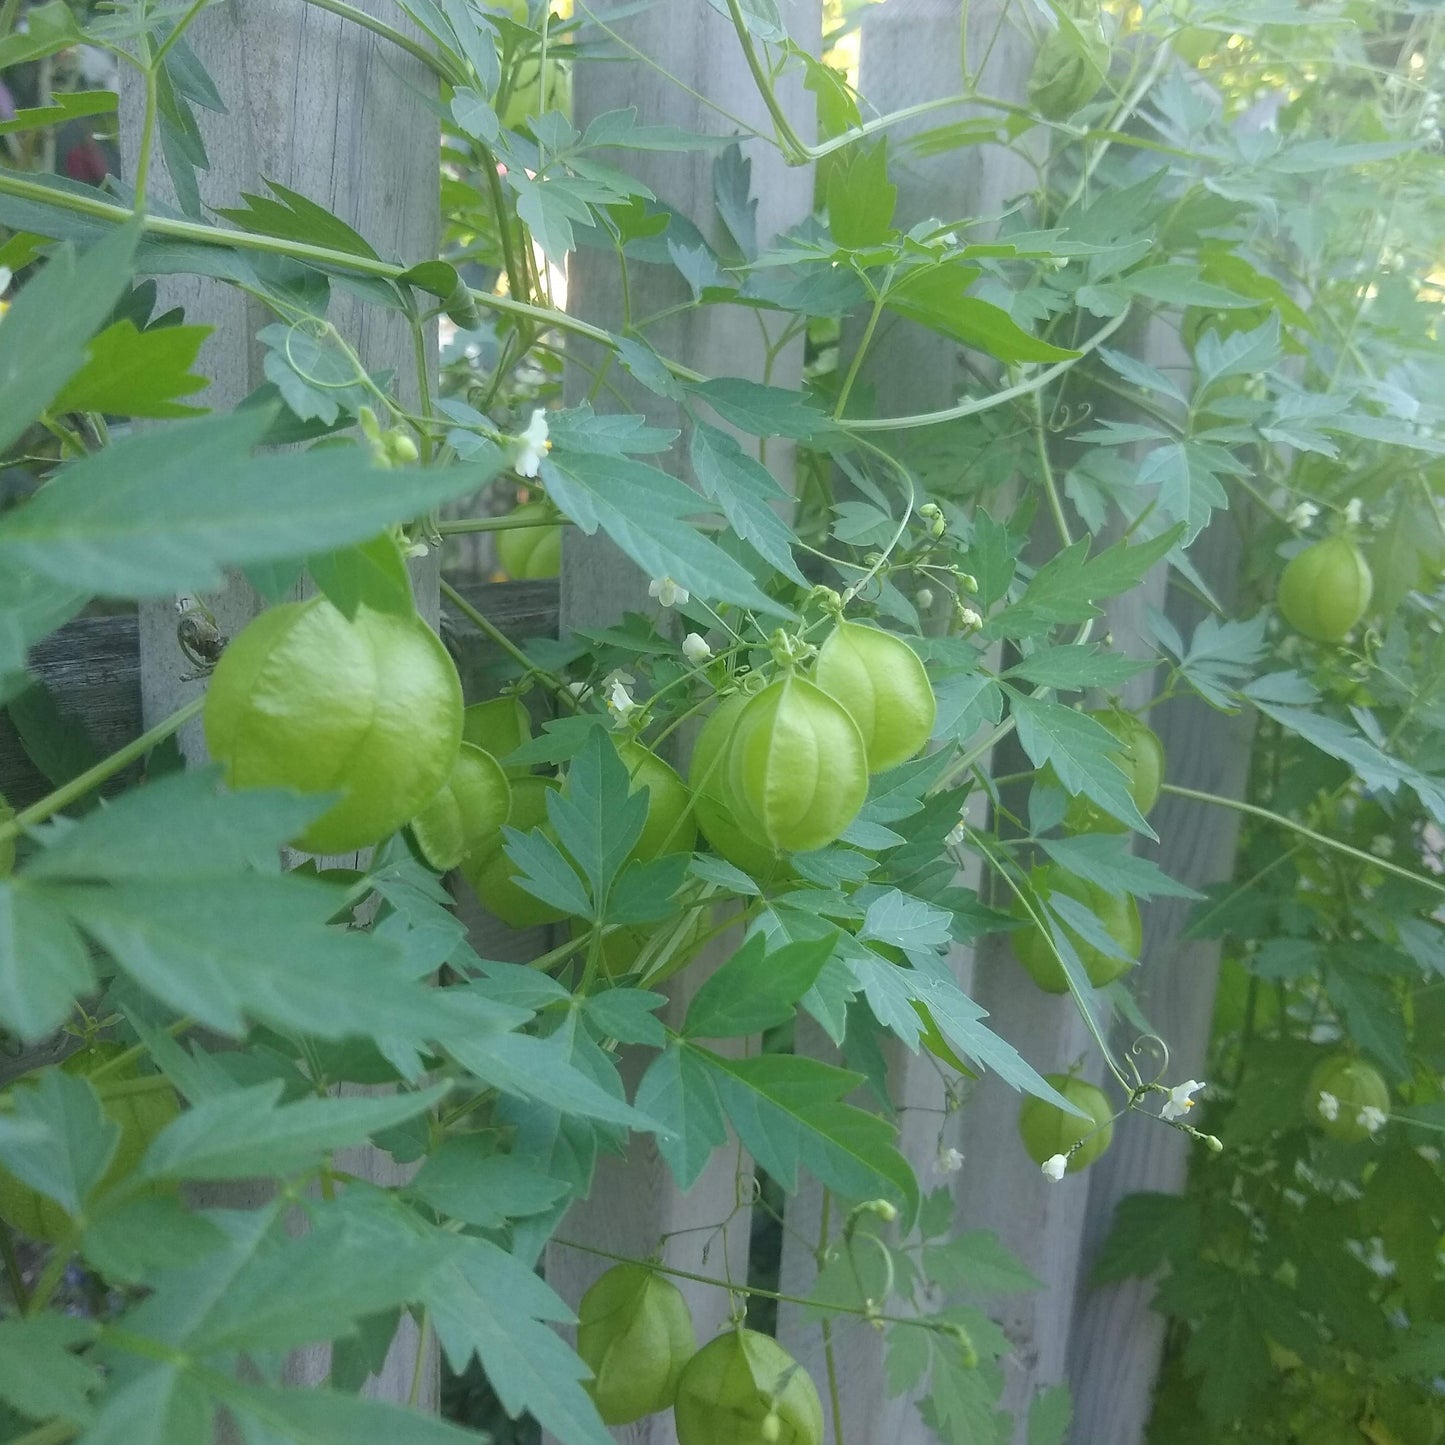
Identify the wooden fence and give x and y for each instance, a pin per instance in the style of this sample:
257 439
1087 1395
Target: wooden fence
324 108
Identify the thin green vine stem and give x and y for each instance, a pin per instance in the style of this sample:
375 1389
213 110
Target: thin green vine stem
490 629
465 525
93 777
1322 839
860 1311
846 390
992 857
1046 472
57 1432
794 151
436 63
830 1355
998 398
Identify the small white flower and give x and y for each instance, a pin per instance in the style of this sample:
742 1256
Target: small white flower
1303 515
620 703
1371 1119
950 1161
1056 1167
532 446
957 834
969 620
1382 845
1329 1106
1353 512
1180 1102
667 592
695 649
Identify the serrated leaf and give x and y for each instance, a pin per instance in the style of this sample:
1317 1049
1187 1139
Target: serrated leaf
755 989
166 509
291 217
44 964
526 1362
1148 1230
678 1091
1106 860
975 1263
596 818
545 873
763 411
747 493
250 1132
644 511
52 319
138 373
936 297
467 1179
373 573
70 1156
1050 1412
39 1375
787 1113
1081 752
329 1417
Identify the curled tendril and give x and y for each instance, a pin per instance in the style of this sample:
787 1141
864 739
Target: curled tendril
1067 417
1148 1044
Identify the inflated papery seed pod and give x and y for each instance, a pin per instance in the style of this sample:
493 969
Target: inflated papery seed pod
466 816
1068 70
797 767
635 1334
744 1388
713 803
1347 1098
1326 589
884 687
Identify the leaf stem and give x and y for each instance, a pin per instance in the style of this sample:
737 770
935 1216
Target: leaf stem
434 62
92 777
861 1311
981 403
490 629
57 1432
1322 839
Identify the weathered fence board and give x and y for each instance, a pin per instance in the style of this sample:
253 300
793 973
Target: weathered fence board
328 109
634 1204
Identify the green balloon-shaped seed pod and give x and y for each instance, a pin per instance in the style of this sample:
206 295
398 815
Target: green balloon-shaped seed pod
141 1114
1326 589
466 816
1140 759
499 726
1068 70
368 707
797 767
1347 1099
884 687
670 826
635 1333
744 1388
528 554
1046 1130
1120 917
493 875
713 803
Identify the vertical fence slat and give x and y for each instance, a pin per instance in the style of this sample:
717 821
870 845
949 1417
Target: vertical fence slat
1116 1339
634 1201
329 110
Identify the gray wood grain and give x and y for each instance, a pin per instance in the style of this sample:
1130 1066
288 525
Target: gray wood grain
634 1203
911 51
329 110
1116 1339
